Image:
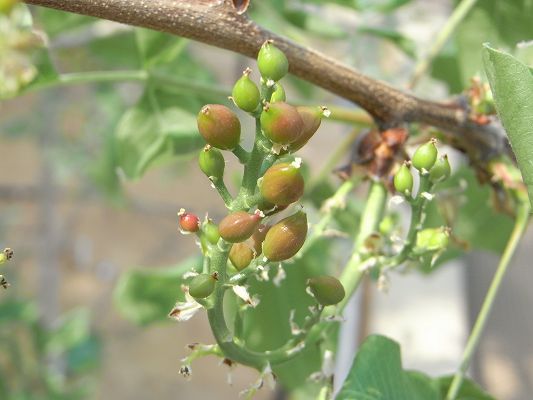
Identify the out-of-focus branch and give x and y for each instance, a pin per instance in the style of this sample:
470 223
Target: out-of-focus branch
222 23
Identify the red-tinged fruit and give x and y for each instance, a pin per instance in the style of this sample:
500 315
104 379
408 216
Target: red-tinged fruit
219 126
281 123
258 237
202 286
311 117
286 237
326 289
282 184
188 222
238 226
241 255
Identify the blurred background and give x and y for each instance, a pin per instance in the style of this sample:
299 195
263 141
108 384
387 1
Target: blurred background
94 167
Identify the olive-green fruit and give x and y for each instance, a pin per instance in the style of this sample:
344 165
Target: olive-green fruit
278 94
211 162
245 93
219 126
238 226
241 255
258 237
272 62
441 170
282 184
311 117
202 286
211 232
425 156
403 180
281 123
326 289
7 5
432 239
285 238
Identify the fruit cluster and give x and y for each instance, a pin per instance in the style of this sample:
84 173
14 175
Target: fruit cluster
272 180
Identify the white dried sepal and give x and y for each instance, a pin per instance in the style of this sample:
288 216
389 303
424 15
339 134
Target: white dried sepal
185 310
368 264
428 196
280 276
242 292
383 283
297 163
396 200
190 274
296 349
295 329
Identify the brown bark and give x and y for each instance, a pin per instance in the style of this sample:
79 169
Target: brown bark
223 24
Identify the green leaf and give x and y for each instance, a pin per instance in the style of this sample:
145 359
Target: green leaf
147 295
56 22
469 389
377 374
512 87
17 310
158 47
404 43
73 329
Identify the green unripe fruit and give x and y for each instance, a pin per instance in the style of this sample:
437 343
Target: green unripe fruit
7 5
272 62
432 239
238 226
211 232
281 123
211 162
441 170
311 117
278 94
403 180
219 126
245 93
286 237
241 255
282 184
425 156
326 289
202 286
258 237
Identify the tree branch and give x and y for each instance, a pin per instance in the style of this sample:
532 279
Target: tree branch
223 24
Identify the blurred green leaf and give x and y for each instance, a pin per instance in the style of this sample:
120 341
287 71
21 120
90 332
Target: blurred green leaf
147 295
157 47
512 87
85 355
72 329
469 389
404 43
377 374
17 311
56 22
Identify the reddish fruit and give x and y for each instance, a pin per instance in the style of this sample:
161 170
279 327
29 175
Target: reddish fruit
188 222
311 117
241 255
219 126
258 237
281 123
238 226
286 237
282 184
326 289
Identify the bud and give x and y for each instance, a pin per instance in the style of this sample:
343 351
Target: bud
188 222
272 62
202 285
219 126
326 289
403 180
241 255
425 156
211 232
311 117
441 170
211 162
282 184
278 94
286 237
245 92
238 226
258 237
281 123
432 239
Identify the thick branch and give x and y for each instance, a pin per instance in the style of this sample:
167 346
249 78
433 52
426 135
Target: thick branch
219 23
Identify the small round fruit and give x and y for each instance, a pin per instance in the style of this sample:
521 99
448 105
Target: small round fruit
403 180
241 255
211 232
432 239
425 156
278 94
219 126
441 170
272 62
281 123
286 237
202 286
211 162
188 222
282 184
238 226
245 93
311 117
326 289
